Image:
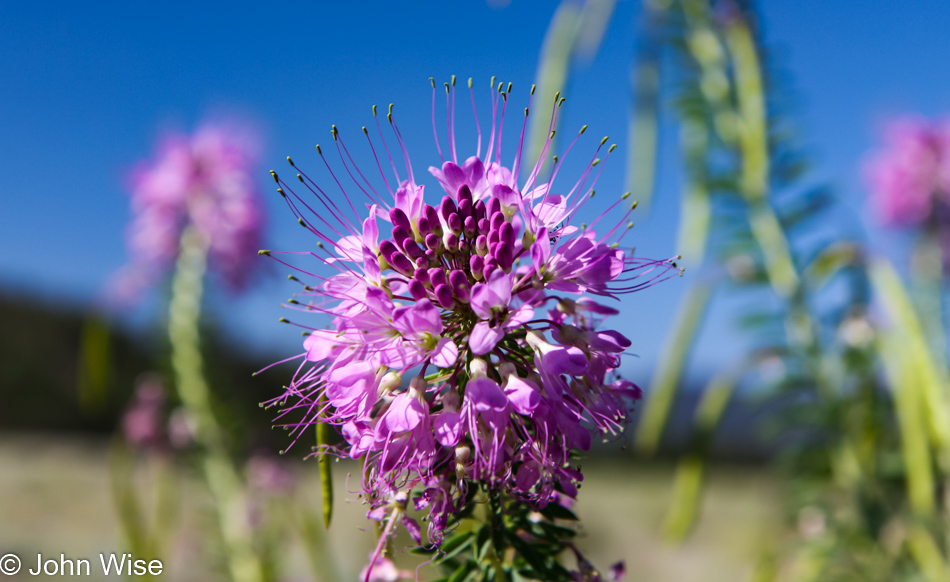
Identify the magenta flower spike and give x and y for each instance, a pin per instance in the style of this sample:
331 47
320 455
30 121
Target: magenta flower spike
444 365
205 181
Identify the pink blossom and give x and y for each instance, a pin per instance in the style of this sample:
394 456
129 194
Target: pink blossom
910 177
445 295
206 181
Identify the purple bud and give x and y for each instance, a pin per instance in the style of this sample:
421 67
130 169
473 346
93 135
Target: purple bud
497 219
481 244
493 238
417 289
433 242
469 227
422 275
490 265
444 295
463 246
494 205
447 207
464 193
387 248
400 234
432 216
504 256
423 261
455 224
506 233
411 248
402 264
423 226
437 277
399 218
465 209
478 210
483 226
459 283
452 242
433 258
477 264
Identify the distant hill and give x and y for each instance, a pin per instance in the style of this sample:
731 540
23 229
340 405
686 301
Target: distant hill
60 370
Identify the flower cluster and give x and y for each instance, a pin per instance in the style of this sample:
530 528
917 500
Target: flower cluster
205 181
464 346
910 178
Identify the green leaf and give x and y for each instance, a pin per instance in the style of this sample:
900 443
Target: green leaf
558 511
456 544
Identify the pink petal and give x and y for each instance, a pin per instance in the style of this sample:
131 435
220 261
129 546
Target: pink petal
445 354
448 428
405 413
484 338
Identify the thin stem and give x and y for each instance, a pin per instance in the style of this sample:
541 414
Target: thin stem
194 392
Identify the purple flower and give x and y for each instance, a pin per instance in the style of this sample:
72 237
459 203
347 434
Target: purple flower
206 181
143 422
445 294
910 177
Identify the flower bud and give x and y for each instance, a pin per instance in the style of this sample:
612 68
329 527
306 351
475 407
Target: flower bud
452 241
465 208
481 244
490 265
454 222
417 387
493 206
464 194
422 275
444 295
497 219
478 368
506 233
437 277
447 207
422 261
389 382
432 217
423 226
400 234
434 242
451 401
412 249
503 254
459 283
402 264
387 249
506 369
493 238
417 289
469 227
476 263
483 226
399 218
478 210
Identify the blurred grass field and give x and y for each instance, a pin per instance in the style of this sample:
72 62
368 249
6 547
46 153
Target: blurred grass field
55 498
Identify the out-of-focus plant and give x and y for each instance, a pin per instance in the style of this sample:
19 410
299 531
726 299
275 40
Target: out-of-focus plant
867 481
197 209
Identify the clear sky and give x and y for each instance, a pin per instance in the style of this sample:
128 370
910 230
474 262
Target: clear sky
85 89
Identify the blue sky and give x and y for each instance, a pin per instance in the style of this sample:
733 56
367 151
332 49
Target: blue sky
87 88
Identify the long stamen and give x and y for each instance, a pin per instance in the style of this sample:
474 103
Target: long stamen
478 127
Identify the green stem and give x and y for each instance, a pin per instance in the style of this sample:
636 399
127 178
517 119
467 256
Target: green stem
193 390
666 381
